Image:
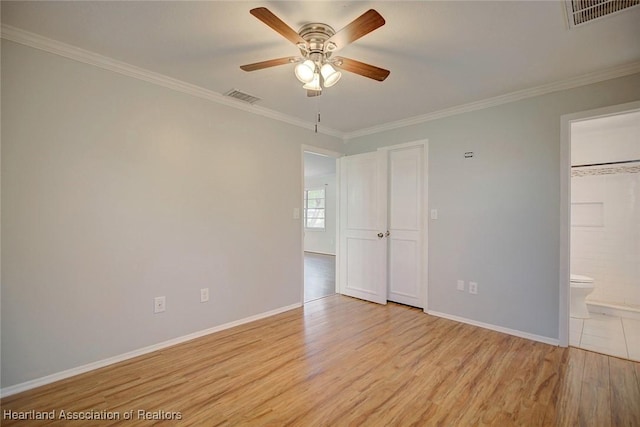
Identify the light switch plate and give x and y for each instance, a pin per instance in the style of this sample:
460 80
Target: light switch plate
204 294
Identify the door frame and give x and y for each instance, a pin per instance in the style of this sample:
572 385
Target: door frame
328 153
565 204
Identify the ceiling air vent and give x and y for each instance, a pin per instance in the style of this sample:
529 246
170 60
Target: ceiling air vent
582 11
245 97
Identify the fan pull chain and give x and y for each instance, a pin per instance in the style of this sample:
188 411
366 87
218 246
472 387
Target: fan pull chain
318 117
317 121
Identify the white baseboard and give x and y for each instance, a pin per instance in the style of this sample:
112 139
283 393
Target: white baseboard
28 385
514 332
611 309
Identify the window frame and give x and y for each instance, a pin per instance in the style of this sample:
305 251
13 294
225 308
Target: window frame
306 208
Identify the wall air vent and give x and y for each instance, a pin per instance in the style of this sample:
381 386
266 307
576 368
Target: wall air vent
245 97
582 11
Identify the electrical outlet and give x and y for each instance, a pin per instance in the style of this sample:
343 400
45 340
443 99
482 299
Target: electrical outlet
204 294
159 304
461 285
473 288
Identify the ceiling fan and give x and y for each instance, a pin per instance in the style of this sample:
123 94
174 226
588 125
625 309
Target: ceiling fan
317 43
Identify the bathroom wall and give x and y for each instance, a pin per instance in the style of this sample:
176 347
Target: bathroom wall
605 207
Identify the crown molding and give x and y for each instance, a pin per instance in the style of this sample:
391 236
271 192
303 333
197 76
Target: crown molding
583 80
81 55
46 44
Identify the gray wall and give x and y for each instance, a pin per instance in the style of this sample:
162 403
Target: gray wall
115 191
499 211
323 241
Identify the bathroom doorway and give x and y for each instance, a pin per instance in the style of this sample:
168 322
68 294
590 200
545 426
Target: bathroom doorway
604 233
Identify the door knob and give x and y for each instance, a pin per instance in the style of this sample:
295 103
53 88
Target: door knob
387 234
380 235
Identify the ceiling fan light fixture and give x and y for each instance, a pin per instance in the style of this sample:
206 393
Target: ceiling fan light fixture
305 71
314 84
330 75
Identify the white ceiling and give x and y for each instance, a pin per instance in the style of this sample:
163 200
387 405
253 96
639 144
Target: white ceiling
316 165
441 54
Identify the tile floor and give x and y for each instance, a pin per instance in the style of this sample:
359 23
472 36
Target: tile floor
611 335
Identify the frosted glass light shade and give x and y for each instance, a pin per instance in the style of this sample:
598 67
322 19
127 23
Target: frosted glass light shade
305 71
330 75
314 84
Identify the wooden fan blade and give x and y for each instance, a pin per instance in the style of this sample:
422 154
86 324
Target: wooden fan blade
311 93
270 63
265 15
361 26
357 67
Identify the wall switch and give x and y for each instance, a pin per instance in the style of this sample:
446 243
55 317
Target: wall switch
296 213
204 294
434 213
473 288
159 304
461 285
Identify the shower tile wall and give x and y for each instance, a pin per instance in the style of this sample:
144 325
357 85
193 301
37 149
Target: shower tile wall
605 231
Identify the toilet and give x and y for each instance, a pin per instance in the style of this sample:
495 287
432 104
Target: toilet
581 286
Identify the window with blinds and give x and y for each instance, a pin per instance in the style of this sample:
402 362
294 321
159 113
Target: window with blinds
314 209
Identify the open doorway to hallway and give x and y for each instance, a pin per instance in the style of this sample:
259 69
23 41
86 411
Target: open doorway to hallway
319 276
320 225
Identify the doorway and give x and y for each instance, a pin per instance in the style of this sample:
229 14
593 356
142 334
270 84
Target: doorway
600 183
319 223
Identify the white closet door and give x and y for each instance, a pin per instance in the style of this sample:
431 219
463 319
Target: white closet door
363 219
405 225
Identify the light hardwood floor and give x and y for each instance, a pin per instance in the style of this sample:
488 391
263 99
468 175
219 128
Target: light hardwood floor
340 361
319 275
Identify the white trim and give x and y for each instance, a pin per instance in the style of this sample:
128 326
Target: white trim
46 44
613 309
585 79
320 253
508 331
565 204
28 385
321 151
77 54
426 218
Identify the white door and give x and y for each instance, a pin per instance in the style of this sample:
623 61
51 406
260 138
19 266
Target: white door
363 218
405 170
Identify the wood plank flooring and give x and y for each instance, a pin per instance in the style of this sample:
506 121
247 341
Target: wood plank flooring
319 276
339 361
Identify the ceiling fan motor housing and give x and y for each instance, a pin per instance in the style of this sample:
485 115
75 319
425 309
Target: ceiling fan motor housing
316 36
